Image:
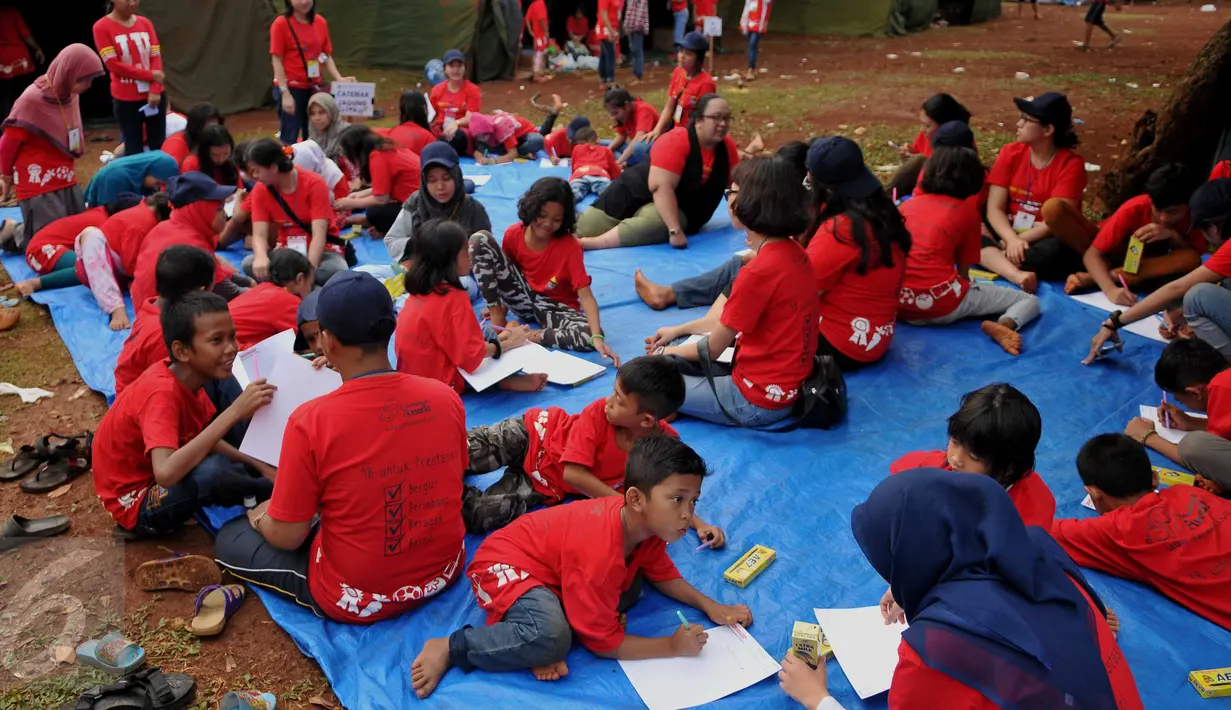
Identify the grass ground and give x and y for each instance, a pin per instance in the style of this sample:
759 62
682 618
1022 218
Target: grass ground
812 86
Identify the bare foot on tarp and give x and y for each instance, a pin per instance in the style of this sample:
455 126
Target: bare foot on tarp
1028 281
524 383
1207 484
1077 282
655 296
552 671
28 287
1004 336
430 666
119 319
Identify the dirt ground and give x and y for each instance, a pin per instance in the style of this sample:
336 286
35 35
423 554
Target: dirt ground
867 88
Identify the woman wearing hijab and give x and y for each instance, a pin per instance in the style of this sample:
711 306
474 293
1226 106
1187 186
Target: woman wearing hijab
142 174
999 616
309 155
325 124
43 137
441 195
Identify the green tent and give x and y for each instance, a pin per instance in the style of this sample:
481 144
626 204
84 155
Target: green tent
867 17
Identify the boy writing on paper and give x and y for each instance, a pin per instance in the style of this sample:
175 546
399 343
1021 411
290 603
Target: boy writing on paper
158 458
574 568
552 454
994 433
1176 539
1199 377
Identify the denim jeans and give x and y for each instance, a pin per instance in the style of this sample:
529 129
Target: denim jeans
215 481
1207 308
681 24
588 185
606 61
640 151
704 290
754 48
636 47
222 394
292 125
700 402
534 632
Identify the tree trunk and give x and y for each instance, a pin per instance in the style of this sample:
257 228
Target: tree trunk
1188 130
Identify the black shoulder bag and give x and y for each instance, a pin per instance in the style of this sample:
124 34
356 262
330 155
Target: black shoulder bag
347 249
822 398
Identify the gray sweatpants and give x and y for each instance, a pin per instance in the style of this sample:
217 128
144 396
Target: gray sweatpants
991 300
1207 454
1207 308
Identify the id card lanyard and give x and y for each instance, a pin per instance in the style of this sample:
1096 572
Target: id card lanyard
74 131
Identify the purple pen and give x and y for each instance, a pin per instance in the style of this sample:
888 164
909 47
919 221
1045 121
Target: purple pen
1166 414
705 544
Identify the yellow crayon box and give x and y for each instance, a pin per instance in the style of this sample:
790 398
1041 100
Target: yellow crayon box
981 275
808 643
748 566
1132 259
1170 477
1214 683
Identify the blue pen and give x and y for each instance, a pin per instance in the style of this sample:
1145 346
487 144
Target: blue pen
682 619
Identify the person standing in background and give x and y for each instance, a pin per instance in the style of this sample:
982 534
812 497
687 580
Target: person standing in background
536 24
17 65
636 27
608 30
679 15
755 23
299 46
130 51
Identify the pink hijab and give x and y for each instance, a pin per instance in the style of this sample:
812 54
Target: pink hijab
45 106
494 129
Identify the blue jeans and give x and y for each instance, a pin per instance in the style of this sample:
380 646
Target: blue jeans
215 481
754 47
700 403
223 393
606 61
704 290
640 151
1207 308
681 24
534 632
293 124
527 146
588 185
636 47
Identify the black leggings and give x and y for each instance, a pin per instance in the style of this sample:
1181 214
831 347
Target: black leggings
138 129
844 362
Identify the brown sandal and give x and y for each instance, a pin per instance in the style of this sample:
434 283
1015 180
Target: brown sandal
186 573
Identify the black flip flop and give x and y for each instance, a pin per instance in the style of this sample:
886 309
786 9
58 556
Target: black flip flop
147 689
18 530
76 446
27 459
55 474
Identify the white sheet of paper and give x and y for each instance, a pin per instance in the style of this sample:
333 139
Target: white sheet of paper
530 357
743 253
297 382
546 163
1088 502
865 647
258 361
565 369
1146 327
1172 435
727 355
731 661
478 180
149 110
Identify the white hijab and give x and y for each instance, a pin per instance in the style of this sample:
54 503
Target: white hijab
309 155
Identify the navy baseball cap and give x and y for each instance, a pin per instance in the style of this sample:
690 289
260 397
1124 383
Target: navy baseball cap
454 55
1052 108
575 125
356 308
695 42
954 134
837 163
1211 202
183 190
306 314
438 153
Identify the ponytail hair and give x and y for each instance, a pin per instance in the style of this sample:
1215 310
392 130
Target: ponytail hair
268 153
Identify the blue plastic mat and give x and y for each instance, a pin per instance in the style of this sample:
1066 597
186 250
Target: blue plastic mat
792 492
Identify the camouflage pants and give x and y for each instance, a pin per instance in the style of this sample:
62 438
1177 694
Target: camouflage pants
502 444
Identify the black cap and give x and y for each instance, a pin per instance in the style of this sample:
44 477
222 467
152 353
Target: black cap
1052 108
695 42
1211 202
575 125
837 163
438 153
183 190
454 55
356 308
954 134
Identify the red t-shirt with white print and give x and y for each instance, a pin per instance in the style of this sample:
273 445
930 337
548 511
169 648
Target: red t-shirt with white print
131 54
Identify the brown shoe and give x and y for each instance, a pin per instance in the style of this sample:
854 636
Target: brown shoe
9 318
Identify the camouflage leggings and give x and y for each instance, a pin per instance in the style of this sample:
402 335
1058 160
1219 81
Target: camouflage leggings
503 283
492 447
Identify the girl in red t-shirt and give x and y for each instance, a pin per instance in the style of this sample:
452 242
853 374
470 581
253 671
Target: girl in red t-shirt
300 50
129 48
42 139
212 156
539 274
689 82
454 99
392 172
437 333
415 131
1000 617
936 111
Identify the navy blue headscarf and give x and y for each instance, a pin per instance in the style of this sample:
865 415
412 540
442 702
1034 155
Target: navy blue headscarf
990 603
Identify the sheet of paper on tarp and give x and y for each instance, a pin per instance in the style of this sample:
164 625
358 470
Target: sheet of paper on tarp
865 646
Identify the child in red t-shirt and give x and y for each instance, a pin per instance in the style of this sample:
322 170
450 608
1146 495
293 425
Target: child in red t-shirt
131 52
538 272
936 111
945 234
437 335
391 171
1176 539
536 25
454 99
578 27
1160 219
181 269
594 166
552 454
994 433
1199 377
158 459
575 568
270 308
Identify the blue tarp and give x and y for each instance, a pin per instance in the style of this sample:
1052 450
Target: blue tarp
792 492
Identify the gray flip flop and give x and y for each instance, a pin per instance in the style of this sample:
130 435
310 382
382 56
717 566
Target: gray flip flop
18 530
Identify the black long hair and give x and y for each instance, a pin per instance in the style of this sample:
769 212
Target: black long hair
942 108
876 224
196 117
290 11
433 261
268 153
358 142
214 137
412 108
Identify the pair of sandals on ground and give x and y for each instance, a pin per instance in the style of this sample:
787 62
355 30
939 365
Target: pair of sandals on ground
55 461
